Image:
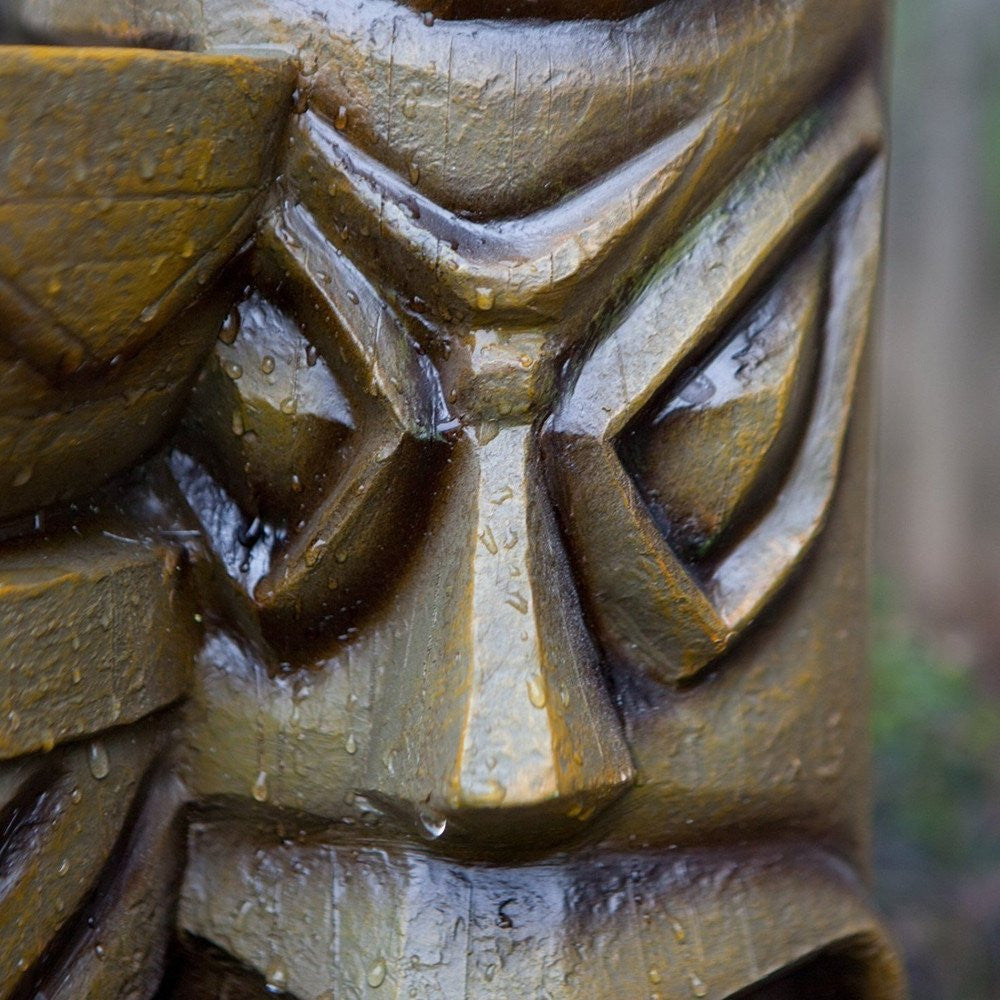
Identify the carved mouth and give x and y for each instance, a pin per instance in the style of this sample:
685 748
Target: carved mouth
319 917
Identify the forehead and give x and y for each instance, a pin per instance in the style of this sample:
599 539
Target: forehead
499 121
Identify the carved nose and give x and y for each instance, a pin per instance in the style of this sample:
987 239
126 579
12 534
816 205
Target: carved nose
497 721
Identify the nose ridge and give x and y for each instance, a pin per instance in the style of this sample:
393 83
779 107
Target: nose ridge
510 687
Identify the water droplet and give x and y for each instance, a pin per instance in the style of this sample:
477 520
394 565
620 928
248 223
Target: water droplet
432 824
429 18
267 364
314 551
233 370
276 976
241 914
97 759
311 355
54 286
99 951
48 741
485 298
23 477
505 494
146 166
489 541
414 174
238 426
187 251
698 988
680 935
351 744
376 974
76 796
536 691
341 120
259 789
230 328
654 976
288 406
63 868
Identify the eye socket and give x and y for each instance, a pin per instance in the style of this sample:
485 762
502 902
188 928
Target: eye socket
271 428
709 451
310 440
695 452
270 417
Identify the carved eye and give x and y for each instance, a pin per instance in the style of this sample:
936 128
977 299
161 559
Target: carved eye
269 417
695 453
713 444
312 426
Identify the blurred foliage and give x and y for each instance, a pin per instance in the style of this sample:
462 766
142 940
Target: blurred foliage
937 812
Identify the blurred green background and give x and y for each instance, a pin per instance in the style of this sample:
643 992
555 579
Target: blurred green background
937 811
936 648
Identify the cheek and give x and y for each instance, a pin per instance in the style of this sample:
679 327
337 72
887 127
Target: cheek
775 738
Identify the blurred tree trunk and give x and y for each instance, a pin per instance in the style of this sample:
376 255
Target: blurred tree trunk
939 517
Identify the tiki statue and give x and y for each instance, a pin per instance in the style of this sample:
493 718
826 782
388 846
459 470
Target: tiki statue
433 466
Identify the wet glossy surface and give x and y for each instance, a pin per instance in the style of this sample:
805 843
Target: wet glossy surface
482 602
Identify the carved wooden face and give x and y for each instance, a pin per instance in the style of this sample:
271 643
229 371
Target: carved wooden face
523 502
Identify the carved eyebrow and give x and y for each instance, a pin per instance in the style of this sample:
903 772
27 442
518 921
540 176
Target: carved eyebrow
724 257
368 326
521 269
550 267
